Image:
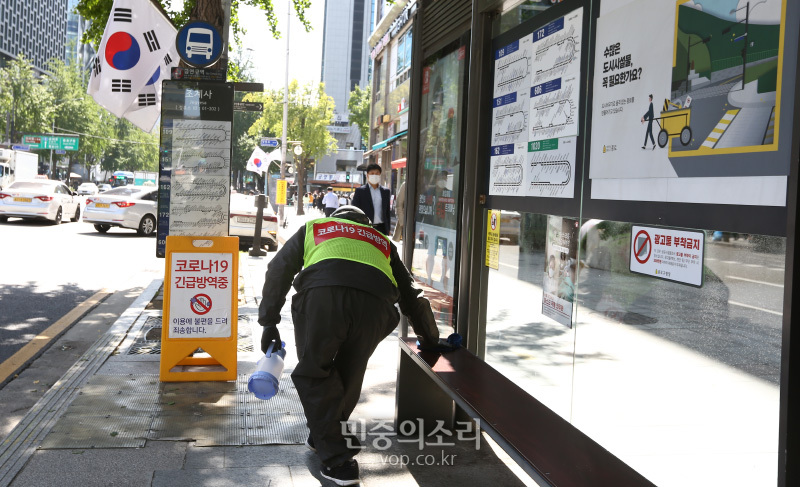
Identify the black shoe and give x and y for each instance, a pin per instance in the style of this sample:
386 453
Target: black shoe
310 443
644 147
344 474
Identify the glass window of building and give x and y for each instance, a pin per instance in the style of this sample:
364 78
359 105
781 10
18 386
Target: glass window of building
403 66
438 184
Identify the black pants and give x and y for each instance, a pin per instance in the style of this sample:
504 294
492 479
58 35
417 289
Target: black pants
336 330
328 211
649 133
382 227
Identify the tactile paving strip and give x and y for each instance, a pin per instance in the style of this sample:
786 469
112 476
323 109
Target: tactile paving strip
124 410
98 431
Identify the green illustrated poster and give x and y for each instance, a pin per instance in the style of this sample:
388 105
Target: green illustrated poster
687 102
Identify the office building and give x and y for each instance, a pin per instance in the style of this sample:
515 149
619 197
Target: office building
33 28
345 65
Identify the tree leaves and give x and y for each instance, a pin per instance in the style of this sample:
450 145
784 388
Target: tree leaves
358 105
97 11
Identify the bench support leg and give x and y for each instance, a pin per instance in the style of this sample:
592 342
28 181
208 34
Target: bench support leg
418 397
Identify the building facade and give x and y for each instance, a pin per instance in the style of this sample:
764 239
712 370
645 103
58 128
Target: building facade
641 291
391 45
77 53
35 29
344 66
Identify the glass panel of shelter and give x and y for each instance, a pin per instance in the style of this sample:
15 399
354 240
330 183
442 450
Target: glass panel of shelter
435 234
680 382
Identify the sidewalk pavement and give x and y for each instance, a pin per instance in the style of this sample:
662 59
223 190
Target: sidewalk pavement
110 421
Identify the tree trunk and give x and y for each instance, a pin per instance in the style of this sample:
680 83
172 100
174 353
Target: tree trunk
300 180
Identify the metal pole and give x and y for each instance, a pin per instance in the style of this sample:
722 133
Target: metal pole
285 102
746 40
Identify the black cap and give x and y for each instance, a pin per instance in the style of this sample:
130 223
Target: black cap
352 213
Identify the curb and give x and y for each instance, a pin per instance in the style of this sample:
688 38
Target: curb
20 444
40 343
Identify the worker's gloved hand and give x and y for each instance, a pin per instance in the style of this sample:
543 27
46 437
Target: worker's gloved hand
453 342
269 334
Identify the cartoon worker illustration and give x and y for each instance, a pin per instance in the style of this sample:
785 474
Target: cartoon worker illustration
649 117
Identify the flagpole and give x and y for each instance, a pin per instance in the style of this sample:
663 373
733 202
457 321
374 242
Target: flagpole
285 101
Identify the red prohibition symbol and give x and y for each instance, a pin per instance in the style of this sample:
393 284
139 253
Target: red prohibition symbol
646 246
200 304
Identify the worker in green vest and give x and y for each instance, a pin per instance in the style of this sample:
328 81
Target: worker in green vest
348 277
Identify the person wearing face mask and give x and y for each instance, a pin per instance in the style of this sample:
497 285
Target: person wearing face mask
373 200
551 279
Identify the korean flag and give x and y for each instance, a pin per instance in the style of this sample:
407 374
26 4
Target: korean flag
259 161
146 107
136 40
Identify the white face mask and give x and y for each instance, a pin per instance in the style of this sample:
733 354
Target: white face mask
374 178
442 184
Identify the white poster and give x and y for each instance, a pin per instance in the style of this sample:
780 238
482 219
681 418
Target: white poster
551 168
682 85
561 269
512 78
200 190
672 255
555 85
200 295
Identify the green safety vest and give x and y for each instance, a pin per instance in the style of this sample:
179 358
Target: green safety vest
335 238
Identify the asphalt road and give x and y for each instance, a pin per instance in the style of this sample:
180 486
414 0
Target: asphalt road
46 270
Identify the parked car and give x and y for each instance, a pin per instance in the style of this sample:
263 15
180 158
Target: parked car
125 207
39 199
88 189
243 222
103 188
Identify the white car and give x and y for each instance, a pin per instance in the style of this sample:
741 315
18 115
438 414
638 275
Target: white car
88 189
243 222
39 199
126 207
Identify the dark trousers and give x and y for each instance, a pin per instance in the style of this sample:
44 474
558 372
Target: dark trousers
328 211
382 227
649 133
336 330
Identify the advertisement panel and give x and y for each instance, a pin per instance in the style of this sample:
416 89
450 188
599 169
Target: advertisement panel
687 103
561 269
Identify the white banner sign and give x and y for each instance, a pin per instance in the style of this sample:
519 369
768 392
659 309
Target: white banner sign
200 295
673 255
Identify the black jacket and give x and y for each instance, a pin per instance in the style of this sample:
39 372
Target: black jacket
362 198
288 263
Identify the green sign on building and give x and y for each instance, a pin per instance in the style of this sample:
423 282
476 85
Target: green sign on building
54 142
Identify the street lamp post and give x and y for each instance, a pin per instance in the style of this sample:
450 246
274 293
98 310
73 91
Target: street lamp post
689 57
285 103
747 9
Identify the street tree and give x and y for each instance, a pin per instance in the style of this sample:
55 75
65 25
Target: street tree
310 113
358 105
132 149
25 102
97 11
74 112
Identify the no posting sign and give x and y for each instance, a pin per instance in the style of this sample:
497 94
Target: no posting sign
669 254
